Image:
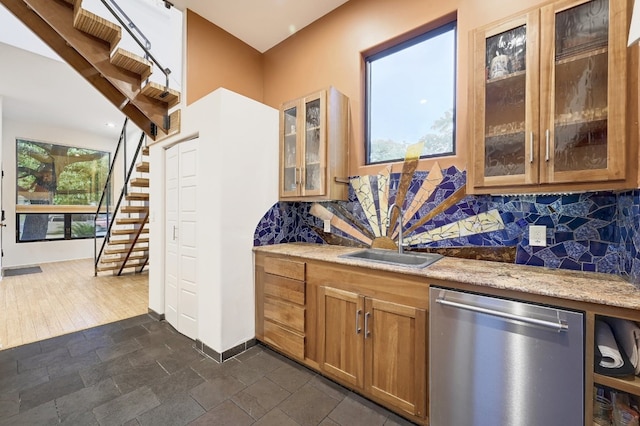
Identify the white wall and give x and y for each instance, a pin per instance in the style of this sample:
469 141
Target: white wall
19 254
238 172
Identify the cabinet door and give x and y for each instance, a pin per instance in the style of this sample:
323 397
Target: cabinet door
583 91
506 103
290 173
340 331
395 349
314 161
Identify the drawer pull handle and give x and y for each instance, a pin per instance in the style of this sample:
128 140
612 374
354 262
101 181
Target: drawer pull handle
358 313
367 332
548 136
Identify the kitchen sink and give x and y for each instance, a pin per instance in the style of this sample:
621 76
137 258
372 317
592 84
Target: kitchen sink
412 260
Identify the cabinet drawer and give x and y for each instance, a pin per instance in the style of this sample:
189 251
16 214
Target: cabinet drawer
287 314
289 341
284 268
284 288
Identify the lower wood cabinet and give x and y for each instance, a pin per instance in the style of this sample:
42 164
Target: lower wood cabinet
375 346
280 305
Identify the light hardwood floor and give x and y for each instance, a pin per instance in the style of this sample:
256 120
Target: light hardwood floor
66 297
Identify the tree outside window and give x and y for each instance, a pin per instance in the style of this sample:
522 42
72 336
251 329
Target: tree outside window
410 97
51 174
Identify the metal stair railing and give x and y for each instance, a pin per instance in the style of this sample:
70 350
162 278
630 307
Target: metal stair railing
145 44
106 194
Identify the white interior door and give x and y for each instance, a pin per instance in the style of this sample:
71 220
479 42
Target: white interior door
187 241
181 281
172 159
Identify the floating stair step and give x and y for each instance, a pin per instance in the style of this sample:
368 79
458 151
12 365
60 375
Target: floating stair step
71 2
131 221
137 196
127 241
132 62
136 249
130 231
145 150
98 27
140 182
120 259
112 267
134 209
143 167
159 92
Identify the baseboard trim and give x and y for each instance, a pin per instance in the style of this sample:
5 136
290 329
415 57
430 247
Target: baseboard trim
156 316
229 353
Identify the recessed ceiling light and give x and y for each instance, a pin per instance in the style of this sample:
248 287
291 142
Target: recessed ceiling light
110 125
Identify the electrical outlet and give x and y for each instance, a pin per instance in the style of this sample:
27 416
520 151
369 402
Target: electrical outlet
538 235
327 226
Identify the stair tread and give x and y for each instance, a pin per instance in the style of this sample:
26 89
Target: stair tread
134 209
159 92
102 268
137 196
143 167
120 259
145 150
129 231
132 62
136 249
97 26
131 220
127 241
140 182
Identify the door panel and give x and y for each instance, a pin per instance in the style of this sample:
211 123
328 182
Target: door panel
181 288
395 352
171 251
341 345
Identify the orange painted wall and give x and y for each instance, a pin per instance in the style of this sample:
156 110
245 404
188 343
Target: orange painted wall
329 52
217 59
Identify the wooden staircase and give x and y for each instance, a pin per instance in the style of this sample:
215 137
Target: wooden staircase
88 43
127 247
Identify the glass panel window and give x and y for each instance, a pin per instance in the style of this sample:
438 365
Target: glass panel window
410 97
290 178
58 174
505 103
581 85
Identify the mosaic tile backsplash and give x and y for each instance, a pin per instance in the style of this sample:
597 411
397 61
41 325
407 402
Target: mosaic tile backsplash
593 231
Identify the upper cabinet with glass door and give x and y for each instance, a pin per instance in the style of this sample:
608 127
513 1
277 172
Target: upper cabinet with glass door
314 135
549 100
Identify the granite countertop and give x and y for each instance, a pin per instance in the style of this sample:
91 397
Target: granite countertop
604 289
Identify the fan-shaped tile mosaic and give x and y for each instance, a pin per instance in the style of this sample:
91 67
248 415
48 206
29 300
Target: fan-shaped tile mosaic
588 231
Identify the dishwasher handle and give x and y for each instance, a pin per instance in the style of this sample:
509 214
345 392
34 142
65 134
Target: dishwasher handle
559 326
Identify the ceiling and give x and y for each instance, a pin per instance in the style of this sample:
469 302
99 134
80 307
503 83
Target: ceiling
39 87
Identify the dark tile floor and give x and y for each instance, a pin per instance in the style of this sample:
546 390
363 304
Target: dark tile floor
142 372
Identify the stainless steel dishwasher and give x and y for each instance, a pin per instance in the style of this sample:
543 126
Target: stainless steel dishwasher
497 362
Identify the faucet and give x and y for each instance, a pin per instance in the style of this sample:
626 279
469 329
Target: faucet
400 242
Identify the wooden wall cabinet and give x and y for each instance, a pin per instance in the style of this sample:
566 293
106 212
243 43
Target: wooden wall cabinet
280 305
549 90
314 140
374 346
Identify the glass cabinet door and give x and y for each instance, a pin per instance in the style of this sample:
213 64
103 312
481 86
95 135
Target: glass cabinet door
289 151
314 146
506 104
580 138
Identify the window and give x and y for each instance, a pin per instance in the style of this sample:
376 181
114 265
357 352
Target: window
50 179
410 97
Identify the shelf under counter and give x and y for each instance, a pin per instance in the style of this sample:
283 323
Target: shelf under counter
627 384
